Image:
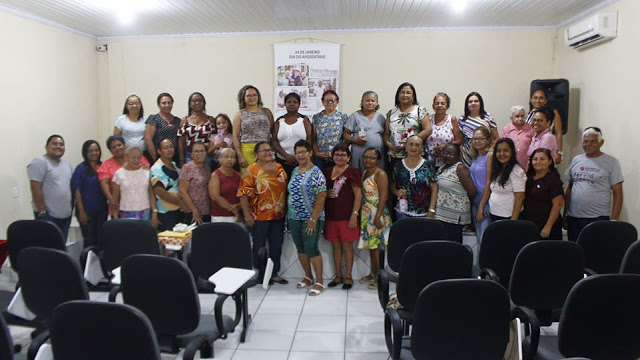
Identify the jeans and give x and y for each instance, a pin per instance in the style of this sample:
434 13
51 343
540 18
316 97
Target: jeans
271 230
481 226
575 225
62 224
91 228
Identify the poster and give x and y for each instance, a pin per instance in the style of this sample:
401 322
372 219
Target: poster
307 69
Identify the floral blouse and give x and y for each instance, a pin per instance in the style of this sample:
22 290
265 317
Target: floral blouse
266 192
329 129
417 183
303 189
402 125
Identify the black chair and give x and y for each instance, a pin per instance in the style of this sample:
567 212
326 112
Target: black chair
218 245
600 321
83 330
164 290
422 264
501 243
631 260
605 243
7 350
543 274
460 319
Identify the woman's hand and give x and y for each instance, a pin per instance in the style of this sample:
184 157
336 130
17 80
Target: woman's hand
402 193
377 221
558 159
565 222
544 233
480 215
311 226
83 218
115 206
324 156
290 160
220 145
242 161
359 141
154 220
353 221
196 217
431 215
438 149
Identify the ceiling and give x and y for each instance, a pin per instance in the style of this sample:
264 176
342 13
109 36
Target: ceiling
118 18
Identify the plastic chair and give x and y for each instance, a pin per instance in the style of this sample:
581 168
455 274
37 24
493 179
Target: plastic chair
605 243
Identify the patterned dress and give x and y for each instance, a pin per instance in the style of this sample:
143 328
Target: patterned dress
468 126
328 129
453 205
399 125
417 183
303 189
372 236
196 133
442 134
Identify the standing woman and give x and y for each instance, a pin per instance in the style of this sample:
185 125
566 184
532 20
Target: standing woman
520 132
342 207
223 185
131 124
364 129
305 213
544 195
455 189
375 221
505 188
328 127
252 124
91 204
445 129
164 182
287 130
481 153
414 183
542 137
194 183
474 117
403 121
262 196
162 125
538 100
196 127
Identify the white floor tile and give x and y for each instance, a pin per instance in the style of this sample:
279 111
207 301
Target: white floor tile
296 355
285 293
365 324
365 343
256 292
231 342
322 323
318 342
260 354
324 307
369 356
267 340
274 322
330 294
360 292
290 307
364 308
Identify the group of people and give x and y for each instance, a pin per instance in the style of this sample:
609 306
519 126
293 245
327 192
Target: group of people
332 174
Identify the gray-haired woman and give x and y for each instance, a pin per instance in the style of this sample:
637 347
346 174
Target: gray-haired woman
364 129
223 185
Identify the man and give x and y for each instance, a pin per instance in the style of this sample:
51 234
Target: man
50 178
595 181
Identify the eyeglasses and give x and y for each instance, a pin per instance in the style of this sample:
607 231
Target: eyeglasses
448 153
265 151
330 101
343 155
478 139
302 152
538 120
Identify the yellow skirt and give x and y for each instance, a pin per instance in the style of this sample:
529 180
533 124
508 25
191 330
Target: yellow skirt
248 154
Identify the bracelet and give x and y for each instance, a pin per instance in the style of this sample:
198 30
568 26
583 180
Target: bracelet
560 153
355 213
155 211
311 220
432 210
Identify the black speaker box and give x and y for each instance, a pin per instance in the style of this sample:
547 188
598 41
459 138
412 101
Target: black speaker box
557 96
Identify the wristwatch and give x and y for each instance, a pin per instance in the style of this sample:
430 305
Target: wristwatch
42 213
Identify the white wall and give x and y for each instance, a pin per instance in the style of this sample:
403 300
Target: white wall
48 86
604 83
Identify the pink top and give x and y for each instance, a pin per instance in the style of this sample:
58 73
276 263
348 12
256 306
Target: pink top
544 140
216 138
134 189
522 139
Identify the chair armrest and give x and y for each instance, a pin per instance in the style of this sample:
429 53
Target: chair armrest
532 326
36 344
194 345
383 289
590 272
393 332
113 293
488 273
84 254
239 298
381 251
217 314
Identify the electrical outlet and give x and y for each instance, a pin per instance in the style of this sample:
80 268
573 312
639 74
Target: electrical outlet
15 191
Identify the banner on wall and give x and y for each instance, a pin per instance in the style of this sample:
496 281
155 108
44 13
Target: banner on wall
307 69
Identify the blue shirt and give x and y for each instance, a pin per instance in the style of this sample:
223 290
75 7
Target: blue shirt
93 199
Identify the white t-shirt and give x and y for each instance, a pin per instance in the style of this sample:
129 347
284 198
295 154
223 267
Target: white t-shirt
288 135
132 132
502 198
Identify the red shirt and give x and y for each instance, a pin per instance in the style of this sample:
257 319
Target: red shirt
341 207
228 188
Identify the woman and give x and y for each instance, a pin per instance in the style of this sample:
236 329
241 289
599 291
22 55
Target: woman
406 119
196 127
455 189
538 100
262 195
131 124
375 221
481 153
414 183
162 125
544 195
252 124
287 130
520 132
342 207
328 127
445 129
107 169
505 188
193 184
364 129
542 137
223 185
91 204
474 117
305 214
131 189
164 182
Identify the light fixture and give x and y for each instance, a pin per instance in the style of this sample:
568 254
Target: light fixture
124 10
458 6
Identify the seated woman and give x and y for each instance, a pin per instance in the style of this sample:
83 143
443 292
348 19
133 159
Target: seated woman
193 184
223 185
342 208
505 188
542 137
520 132
544 195
164 181
287 130
132 190
414 183
455 191
305 212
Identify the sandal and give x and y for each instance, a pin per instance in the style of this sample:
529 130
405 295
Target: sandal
373 286
347 286
316 292
335 281
304 283
368 279
278 280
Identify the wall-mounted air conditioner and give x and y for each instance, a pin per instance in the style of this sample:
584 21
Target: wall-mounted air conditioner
592 30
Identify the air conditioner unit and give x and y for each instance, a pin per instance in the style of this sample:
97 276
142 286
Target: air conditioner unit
592 30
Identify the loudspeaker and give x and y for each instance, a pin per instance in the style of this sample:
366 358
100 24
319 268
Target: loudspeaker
557 96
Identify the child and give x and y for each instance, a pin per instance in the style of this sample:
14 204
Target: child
132 190
222 138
